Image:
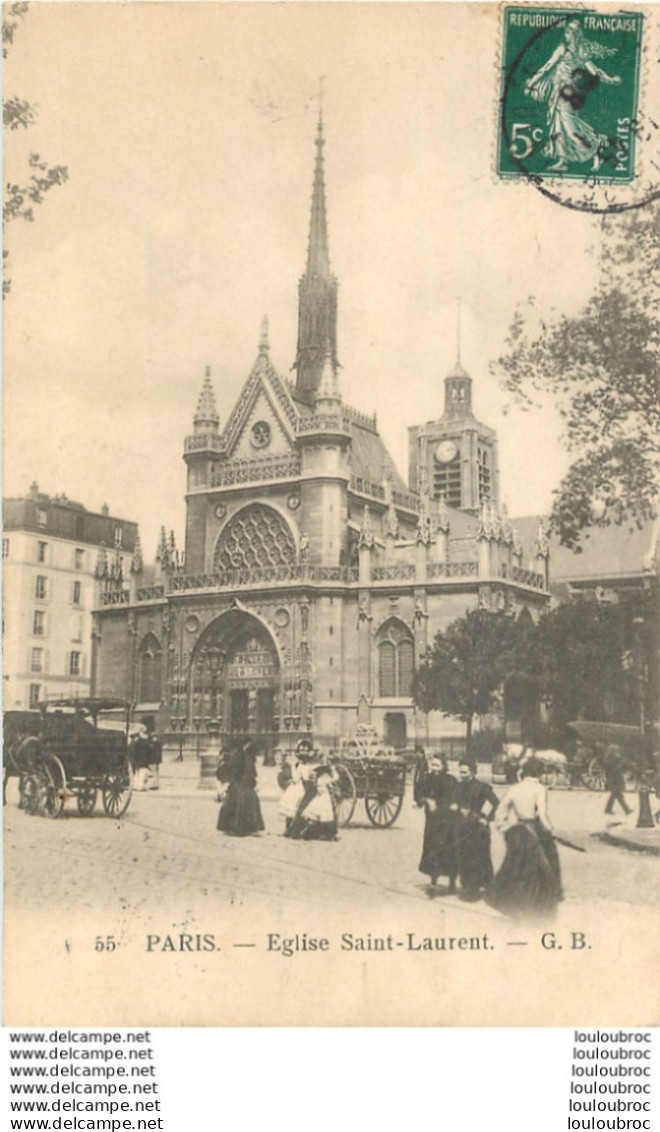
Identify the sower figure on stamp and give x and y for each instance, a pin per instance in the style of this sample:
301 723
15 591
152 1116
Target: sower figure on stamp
614 779
563 82
435 790
475 807
528 882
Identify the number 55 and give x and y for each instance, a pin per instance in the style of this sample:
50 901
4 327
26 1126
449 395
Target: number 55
527 141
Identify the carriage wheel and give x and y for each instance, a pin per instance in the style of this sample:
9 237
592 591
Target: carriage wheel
345 794
594 776
86 798
116 794
53 781
383 809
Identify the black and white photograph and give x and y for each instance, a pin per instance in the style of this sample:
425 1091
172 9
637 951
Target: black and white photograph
330 528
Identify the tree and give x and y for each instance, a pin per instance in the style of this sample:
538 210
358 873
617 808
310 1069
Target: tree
465 669
602 369
20 200
595 659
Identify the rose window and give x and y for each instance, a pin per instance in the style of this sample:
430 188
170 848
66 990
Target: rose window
255 536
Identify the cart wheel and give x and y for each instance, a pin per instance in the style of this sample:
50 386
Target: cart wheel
54 787
86 798
383 809
594 776
117 794
345 794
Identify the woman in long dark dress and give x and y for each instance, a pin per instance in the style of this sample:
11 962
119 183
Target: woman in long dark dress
435 790
475 805
528 882
240 813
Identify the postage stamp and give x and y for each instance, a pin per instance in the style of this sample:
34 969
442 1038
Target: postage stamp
570 83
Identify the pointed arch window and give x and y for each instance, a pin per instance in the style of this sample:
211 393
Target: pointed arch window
151 659
396 659
255 536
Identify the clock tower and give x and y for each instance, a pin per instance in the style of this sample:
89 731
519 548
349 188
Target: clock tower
457 452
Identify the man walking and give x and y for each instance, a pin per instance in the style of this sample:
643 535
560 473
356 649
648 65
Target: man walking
614 779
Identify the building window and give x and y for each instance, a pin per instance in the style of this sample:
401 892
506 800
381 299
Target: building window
77 593
74 663
35 692
39 623
447 481
41 551
484 476
396 659
42 517
79 559
256 536
41 587
37 660
5 548
119 536
150 669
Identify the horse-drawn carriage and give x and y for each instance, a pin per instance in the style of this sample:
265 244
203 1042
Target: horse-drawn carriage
364 768
72 748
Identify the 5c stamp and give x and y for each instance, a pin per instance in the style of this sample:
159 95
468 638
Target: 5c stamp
569 94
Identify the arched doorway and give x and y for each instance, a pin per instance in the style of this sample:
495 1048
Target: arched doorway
235 679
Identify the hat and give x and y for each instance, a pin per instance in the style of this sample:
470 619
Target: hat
305 745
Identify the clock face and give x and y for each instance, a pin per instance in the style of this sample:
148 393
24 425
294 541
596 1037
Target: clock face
446 451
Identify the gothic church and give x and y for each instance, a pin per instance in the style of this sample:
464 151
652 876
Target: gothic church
314 578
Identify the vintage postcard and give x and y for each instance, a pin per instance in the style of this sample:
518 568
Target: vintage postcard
330 544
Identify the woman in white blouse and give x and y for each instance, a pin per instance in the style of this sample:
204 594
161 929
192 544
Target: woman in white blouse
528 882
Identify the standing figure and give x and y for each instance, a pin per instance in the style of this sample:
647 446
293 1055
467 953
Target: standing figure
319 818
614 779
564 82
528 882
155 754
435 790
139 756
309 761
290 781
240 812
474 806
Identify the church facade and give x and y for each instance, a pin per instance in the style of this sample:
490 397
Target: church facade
314 578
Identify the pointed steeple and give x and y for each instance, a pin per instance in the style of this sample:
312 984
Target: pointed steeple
206 415
317 291
318 256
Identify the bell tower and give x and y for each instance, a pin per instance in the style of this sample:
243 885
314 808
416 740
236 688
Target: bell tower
458 452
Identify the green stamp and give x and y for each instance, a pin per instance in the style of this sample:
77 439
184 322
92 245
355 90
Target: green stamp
569 94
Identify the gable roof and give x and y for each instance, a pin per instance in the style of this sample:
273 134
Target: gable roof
605 553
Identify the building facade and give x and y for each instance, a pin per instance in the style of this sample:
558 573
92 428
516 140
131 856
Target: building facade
50 552
314 577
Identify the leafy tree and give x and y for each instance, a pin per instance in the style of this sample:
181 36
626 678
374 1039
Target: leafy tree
20 200
463 672
602 369
594 659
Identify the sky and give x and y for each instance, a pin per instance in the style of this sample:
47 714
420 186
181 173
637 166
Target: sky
188 131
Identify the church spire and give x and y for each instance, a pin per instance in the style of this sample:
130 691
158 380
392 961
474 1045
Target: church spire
206 414
317 290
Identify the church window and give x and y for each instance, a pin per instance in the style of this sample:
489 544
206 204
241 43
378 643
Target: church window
485 482
260 435
396 659
255 536
447 481
150 669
